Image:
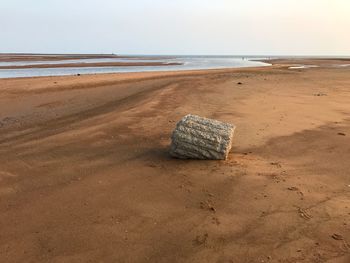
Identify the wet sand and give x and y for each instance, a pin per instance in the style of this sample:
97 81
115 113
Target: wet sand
307 61
85 174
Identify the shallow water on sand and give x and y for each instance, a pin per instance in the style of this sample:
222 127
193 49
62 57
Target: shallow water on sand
187 63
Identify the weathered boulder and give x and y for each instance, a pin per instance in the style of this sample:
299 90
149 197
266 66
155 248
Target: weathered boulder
200 138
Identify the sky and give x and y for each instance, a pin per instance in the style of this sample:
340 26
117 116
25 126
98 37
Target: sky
187 27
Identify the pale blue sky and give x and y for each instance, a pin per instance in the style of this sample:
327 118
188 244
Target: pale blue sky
259 27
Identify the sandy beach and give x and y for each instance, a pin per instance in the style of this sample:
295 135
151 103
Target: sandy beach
85 173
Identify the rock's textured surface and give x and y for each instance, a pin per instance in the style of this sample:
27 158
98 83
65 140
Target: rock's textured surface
200 138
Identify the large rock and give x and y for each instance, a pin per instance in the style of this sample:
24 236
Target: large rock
200 138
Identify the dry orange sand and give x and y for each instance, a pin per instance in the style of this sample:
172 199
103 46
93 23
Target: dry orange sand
85 174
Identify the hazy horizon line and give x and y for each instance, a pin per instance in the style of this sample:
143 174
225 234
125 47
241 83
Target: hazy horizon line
183 54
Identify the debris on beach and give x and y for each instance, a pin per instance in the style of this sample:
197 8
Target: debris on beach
200 138
337 237
277 164
320 94
201 239
293 188
207 206
304 214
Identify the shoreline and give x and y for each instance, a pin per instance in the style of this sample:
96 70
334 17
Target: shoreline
306 61
110 78
11 57
17 57
87 64
292 63
74 71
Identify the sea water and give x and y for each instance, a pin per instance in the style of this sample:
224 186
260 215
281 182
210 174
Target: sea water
186 63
